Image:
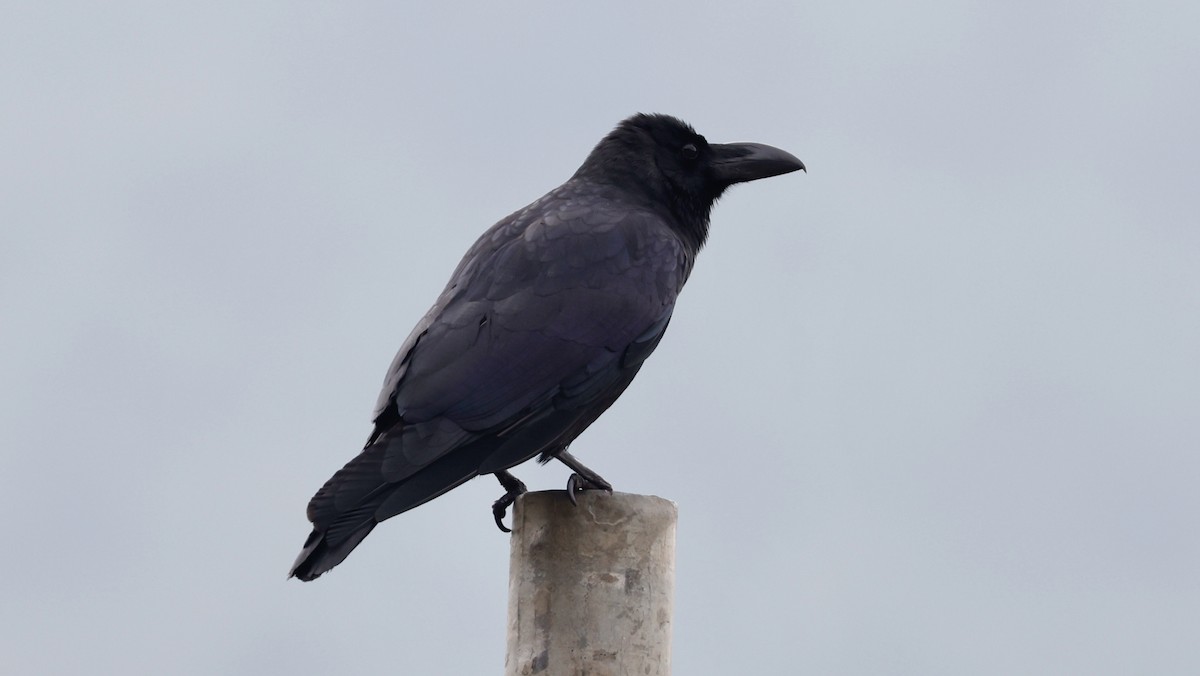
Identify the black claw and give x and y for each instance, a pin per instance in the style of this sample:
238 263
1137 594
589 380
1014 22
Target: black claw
578 482
572 486
499 509
513 489
583 479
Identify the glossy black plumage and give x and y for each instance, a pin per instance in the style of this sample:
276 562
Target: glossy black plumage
542 326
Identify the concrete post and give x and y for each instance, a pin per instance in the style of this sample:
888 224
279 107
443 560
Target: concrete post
591 587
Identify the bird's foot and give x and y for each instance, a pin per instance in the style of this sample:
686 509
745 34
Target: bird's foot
584 479
513 487
578 483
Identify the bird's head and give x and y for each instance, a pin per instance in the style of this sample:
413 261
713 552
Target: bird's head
662 159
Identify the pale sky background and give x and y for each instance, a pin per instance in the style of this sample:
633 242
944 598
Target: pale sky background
932 408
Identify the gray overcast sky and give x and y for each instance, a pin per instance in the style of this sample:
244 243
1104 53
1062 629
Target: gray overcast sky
933 408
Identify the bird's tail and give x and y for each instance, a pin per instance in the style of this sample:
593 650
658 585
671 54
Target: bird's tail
343 512
321 554
361 494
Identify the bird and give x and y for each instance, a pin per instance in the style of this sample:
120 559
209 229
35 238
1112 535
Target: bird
542 326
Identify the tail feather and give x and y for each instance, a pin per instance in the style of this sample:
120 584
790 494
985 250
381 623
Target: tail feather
320 554
358 497
343 513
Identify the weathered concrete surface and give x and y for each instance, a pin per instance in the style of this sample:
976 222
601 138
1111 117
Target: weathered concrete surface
591 587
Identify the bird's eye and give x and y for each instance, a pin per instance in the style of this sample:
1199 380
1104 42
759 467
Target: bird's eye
689 151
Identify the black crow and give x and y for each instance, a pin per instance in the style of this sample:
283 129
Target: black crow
542 326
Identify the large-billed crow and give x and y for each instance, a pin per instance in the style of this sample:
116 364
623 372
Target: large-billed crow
542 326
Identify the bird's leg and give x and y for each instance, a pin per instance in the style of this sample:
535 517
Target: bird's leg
583 478
514 487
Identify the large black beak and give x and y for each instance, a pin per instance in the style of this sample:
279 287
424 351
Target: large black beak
741 162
